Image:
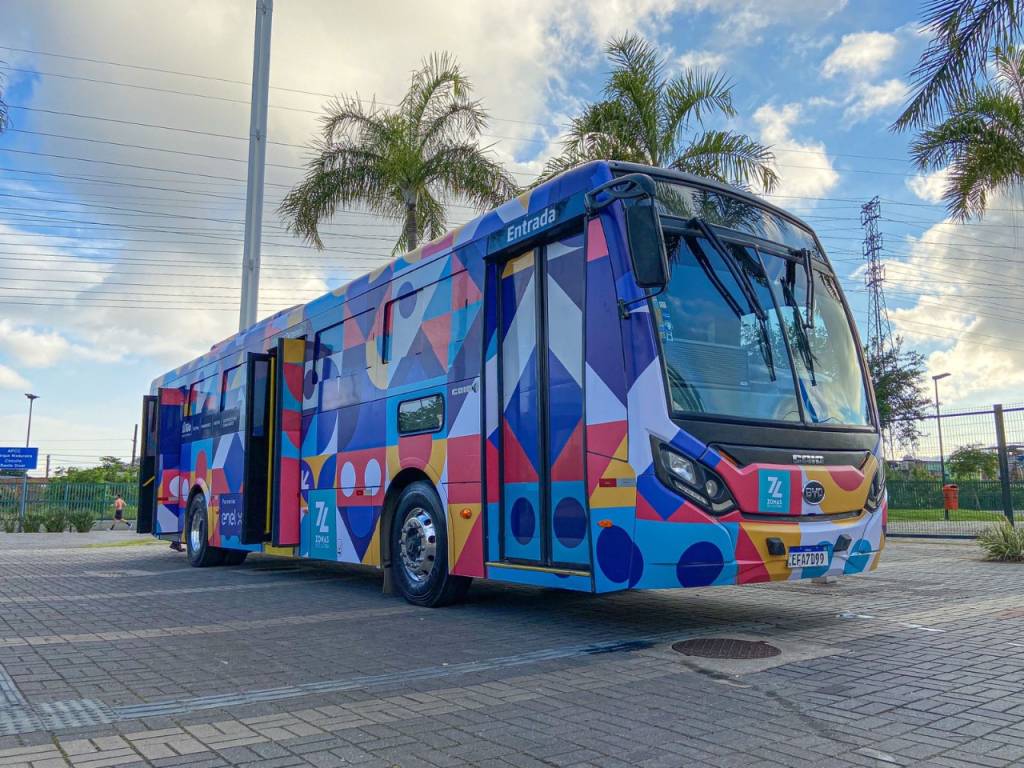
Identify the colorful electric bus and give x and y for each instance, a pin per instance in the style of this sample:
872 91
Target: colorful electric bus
627 377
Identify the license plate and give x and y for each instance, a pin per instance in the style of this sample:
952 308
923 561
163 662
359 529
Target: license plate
807 557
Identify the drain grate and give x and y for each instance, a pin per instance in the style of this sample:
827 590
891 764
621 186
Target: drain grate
726 648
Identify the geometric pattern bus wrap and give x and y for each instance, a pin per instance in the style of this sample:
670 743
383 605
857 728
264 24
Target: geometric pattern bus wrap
556 385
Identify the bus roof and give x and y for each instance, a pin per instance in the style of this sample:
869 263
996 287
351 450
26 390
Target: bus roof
581 178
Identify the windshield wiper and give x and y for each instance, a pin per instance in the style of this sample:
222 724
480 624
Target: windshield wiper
803 340
709 270
743 281
805 255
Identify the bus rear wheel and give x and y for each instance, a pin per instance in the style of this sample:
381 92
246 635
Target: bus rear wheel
419 550
200 553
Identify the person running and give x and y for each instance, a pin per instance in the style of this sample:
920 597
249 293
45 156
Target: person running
119 512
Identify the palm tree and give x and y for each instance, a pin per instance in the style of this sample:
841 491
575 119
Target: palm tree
966 32
401 163
982 140
646 118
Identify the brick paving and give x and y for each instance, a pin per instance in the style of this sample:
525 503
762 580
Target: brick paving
125 656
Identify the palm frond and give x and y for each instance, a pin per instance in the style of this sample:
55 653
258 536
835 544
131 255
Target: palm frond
636 83
964 34
346 117
466 171
729 157
981 144
337 176
438 81
689 97
455 120
1009 63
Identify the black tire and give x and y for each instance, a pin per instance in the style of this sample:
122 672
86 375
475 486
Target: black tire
420 508
234 556
200 553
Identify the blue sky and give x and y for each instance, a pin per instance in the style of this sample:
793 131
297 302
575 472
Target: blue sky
122 204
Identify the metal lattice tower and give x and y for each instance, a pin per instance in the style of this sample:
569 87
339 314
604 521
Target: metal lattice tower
879 331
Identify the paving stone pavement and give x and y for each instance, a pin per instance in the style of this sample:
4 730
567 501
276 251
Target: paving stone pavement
126 656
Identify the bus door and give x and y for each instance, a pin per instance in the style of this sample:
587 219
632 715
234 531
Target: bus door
258 441
147 467
170 495
543 501
286 488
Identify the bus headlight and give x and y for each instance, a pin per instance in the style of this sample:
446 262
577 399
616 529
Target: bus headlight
681 467
876 493
698 483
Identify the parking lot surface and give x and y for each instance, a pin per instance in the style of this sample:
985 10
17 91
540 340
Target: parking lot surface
126 656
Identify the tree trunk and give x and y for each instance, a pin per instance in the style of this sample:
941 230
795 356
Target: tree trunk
410 225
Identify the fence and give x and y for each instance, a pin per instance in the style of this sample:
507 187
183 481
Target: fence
58 495
980 450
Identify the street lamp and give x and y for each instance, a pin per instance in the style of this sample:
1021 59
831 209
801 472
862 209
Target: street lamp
24 479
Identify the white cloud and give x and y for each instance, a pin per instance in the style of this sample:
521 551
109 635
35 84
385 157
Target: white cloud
867 99
806 169
30 347
701 59
744 21
11 379
960 297
861 54
929 187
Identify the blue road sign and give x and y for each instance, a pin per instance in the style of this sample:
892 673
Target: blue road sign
19 458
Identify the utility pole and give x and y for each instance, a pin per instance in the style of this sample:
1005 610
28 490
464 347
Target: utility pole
24 479
135 436
47 466
879 339
257 159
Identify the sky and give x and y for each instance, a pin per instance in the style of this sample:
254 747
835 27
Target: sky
122 184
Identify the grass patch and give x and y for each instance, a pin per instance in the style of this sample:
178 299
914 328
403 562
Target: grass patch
937 515
141 542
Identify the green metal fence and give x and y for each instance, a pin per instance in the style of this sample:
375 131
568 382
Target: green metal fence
61 496
990 492
975 495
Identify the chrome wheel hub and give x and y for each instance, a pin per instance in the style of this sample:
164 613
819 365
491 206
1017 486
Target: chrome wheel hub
418 545
196 533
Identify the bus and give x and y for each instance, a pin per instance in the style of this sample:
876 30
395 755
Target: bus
625 378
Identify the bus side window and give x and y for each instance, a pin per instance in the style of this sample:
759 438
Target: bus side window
328 365
398 332
233 393
204 396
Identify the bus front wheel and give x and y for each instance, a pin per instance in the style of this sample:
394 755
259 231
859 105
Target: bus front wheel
419 550
200 553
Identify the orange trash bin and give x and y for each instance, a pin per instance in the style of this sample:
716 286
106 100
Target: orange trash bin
951 496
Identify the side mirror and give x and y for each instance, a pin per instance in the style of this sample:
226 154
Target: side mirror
646 244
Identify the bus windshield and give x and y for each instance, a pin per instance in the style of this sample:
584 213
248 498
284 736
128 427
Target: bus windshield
736 340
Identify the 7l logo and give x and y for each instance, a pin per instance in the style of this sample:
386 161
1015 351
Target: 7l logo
321 517
773 490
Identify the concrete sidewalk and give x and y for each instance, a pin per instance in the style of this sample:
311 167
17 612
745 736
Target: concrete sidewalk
114 656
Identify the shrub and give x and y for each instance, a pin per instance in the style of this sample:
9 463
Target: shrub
9 523
33 522
1003 542
81 520
55 521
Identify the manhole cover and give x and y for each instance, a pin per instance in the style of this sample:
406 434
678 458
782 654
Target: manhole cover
726 648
